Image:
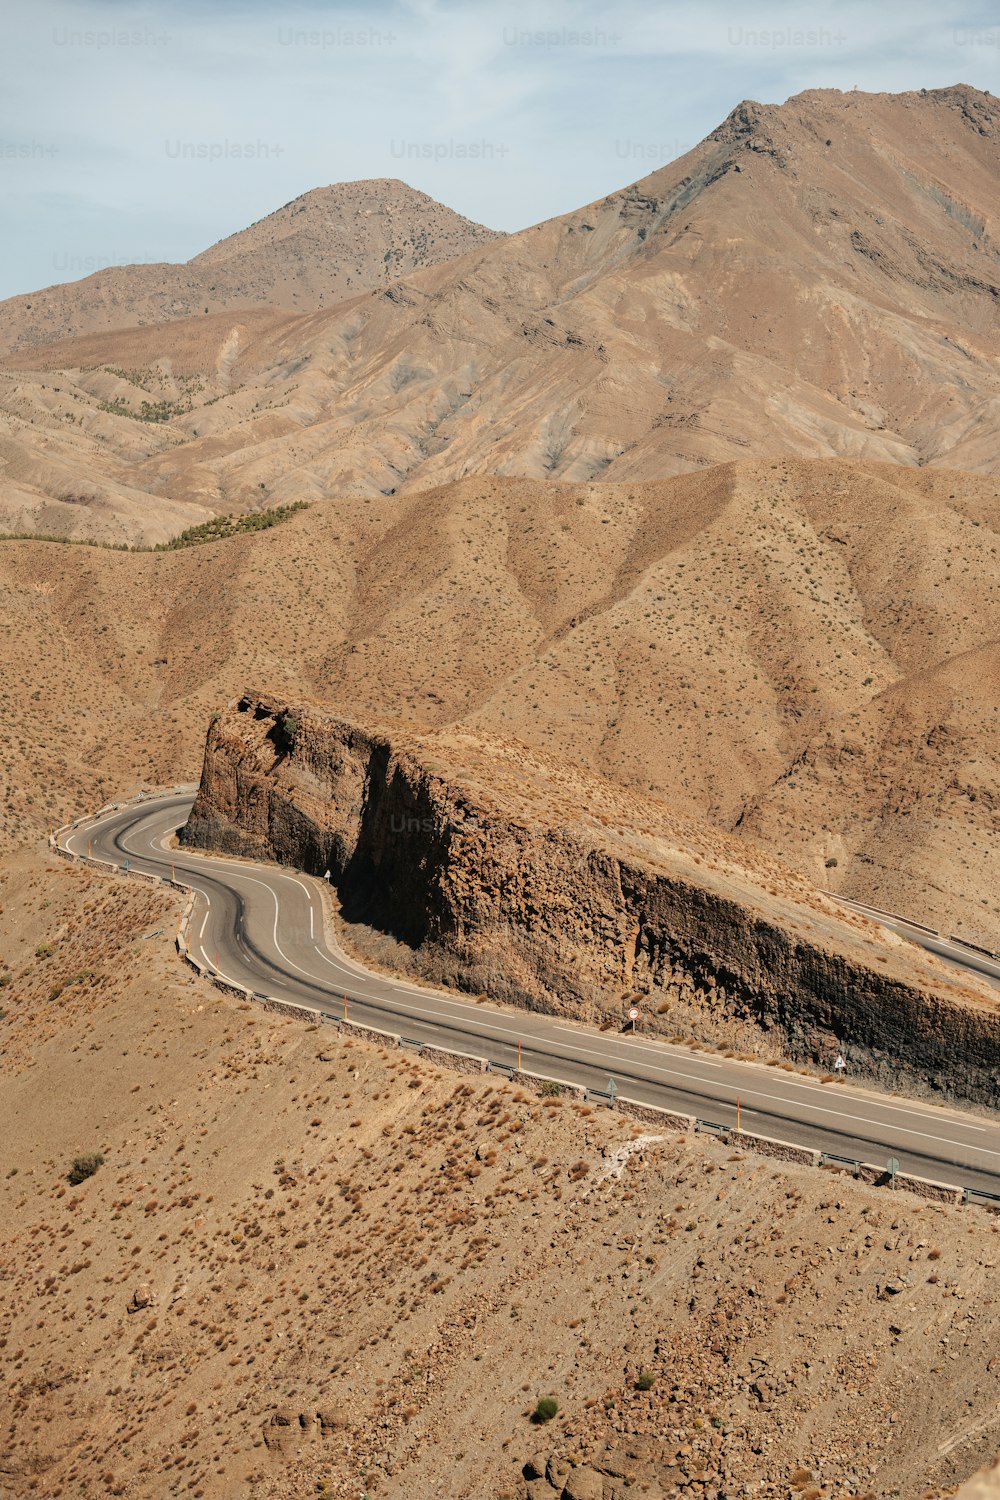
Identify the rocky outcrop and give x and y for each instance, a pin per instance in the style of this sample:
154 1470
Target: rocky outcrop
516 875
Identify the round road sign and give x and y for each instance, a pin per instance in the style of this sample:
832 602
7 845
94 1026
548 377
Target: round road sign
633 1014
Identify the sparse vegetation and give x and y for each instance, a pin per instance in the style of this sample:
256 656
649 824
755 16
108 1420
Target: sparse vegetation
84 1166
545 1409
222 527
218 529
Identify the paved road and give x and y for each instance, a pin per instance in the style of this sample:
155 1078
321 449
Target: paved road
263 928
951 949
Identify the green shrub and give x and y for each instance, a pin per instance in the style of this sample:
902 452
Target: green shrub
44 950
221 527
646 1380
545 1409
550 1089
84 1166
216 530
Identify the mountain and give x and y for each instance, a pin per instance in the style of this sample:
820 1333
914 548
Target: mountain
323 246
820 278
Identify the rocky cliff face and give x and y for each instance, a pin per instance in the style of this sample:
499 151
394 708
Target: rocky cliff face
543 886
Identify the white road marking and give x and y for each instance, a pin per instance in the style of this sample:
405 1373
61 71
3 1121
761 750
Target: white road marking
921 1135
627 1041
219 974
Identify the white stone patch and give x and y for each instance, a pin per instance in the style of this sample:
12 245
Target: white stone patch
616 1162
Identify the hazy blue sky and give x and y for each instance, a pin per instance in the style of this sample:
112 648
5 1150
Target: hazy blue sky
145 131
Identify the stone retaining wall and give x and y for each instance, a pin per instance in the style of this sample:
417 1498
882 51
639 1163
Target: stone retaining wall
765 1145
368 1034
538 1083
651 1115
459 1062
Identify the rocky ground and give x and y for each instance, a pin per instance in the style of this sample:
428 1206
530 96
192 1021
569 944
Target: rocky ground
309 1267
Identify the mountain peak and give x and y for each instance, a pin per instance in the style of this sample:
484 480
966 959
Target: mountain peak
328 244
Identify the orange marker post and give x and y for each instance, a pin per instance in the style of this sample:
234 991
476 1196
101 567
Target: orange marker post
519 1057
345 1007
737 1111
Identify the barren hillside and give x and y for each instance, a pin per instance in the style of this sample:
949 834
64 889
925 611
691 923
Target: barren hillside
818 278
306 1266
326 245
801 652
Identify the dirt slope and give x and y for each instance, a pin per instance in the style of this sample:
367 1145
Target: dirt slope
302 1257
803 653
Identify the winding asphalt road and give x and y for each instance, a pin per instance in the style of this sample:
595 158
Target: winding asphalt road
262 927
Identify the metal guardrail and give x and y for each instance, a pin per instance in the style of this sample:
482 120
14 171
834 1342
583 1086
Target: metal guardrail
844 1161
412 1041
874 912
712 1125
970 1192
975 948
500 1067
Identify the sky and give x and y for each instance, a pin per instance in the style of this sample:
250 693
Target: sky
145 130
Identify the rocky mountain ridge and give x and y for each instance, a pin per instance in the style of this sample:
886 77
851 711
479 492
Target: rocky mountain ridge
507 873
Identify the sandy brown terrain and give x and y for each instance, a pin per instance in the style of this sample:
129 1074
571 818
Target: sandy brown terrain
308 1267
326 245
800 652
99 455
693 489
815 279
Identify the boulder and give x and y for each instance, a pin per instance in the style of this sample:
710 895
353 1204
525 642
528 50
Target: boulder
583 1483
